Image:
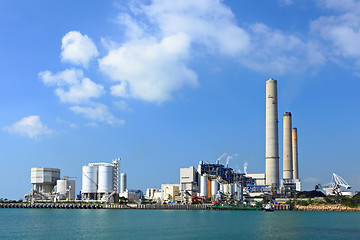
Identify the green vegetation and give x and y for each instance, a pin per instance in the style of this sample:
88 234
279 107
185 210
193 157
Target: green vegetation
352 202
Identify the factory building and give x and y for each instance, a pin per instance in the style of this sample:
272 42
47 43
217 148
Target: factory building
132 195
258 178
100 180
154 194
65 189
189 181
44 179
47 185
170 192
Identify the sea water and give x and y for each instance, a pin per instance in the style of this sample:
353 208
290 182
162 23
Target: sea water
176 224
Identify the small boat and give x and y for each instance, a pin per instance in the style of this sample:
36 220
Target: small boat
268 208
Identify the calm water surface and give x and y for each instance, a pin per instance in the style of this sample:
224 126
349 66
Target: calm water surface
175 224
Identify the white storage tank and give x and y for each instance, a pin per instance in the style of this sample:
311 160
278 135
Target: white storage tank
225 188
214 187
106 178
61 186
89 179
203 186
123 182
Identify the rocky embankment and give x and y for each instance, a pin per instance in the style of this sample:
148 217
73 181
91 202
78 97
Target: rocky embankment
333 207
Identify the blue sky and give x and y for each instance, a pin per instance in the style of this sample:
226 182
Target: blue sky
165 84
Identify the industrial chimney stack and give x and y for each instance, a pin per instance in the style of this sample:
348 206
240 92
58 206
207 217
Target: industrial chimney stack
272 138
295 154
287 147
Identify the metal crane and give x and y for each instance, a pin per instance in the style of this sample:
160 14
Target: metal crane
334 186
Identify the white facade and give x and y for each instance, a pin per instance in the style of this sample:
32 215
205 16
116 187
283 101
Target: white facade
130 196
44 179
259 178
189 180
170 191
154 194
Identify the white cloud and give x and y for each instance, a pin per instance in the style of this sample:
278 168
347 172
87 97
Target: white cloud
67 123
148 69
207 22
77 48
98 112
122 105
153 62
72 86
30 126
341 30
273 51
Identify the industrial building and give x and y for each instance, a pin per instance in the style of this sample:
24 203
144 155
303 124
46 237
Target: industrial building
44 182
47 185
65 189
100 181
170 192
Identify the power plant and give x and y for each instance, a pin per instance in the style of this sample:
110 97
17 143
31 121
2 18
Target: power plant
209 182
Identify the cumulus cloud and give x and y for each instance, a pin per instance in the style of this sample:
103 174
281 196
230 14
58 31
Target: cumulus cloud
209 22
154 60
341 29
67 123
122 105
274 51
98 112
30 126
149 69
77 48
72 86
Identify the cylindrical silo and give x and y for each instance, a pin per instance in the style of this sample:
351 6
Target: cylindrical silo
295 154
272 139
123 182
225 188
89 179
214 187
106 179
203 186
61 186
287 147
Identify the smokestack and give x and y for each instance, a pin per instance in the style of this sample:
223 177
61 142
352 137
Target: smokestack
295 153
272 138
287 148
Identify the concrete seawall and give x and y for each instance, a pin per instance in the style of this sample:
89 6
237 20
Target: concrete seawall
334 207
102 206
